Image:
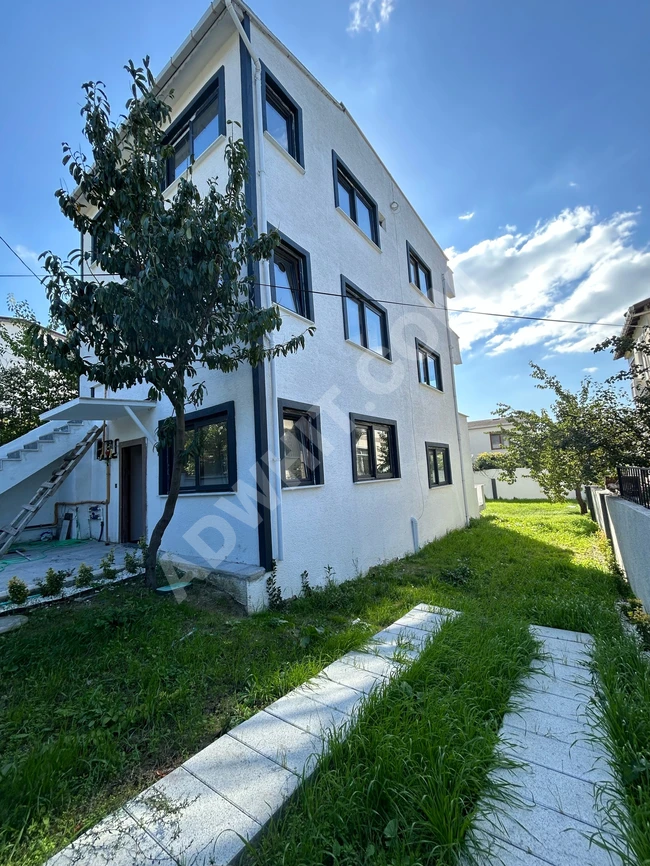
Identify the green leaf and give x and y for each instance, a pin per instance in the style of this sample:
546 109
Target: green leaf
390 830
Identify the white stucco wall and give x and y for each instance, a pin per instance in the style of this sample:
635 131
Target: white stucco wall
523 488
479 436
630 528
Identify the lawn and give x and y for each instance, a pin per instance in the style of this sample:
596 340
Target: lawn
99 698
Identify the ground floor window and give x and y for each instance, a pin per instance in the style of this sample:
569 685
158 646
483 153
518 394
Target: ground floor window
438 464
210 464
300 444
374 448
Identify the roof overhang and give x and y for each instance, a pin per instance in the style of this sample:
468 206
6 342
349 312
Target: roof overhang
631 320
97 409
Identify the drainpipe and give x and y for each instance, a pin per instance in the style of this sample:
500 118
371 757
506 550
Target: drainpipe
274 438
453 385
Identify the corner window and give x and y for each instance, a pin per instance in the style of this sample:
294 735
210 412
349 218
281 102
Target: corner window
202 122
375 453
354 201
438 464
365 322
429 369
210 464
282 117
419 273
291 278
300 444
498 441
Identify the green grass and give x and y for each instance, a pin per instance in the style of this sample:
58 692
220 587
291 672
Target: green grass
99 698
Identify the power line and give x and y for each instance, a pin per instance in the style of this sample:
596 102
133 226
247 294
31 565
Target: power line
19 257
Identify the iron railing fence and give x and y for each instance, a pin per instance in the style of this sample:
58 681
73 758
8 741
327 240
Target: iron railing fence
634 484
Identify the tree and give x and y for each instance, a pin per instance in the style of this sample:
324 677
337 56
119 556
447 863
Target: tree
174 298
581 441
490 460
29 382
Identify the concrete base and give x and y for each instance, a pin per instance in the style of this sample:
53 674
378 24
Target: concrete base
246 584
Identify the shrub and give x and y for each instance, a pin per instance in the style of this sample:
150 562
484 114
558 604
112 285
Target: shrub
273 591
488 460
132 563
106 565
17 590
84 576
54 580
305 585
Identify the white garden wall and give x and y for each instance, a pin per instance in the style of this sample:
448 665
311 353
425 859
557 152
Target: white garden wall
523 488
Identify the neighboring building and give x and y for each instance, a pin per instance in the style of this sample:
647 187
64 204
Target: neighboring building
637 327
487 436
351 452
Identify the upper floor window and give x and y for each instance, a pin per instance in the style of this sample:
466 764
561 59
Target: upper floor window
429 370
290 278
365 321
353 200
202 122
300 444
498 441
419 273
282 117
374 448
438 464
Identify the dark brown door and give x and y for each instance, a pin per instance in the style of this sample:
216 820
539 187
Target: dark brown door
132 492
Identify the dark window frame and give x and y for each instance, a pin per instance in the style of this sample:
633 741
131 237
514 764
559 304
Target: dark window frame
314 444
284 103
358 190
412 257
437 447
216 85
304 260
194 420
349 289
502 446
370 422
431 353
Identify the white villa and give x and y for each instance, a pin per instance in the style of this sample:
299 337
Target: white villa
351 452
637 327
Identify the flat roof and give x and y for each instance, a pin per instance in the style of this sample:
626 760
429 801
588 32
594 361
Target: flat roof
95 409
488 422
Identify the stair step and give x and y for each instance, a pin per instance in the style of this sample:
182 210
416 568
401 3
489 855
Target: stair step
46 437
9 530
65 430
31 446
13 455
31 508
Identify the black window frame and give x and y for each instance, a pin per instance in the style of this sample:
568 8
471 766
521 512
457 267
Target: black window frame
340 169
430 353
214 87
286 106
502 446
435 448
412 257
370 422
291 249
313 443
349 289
193 421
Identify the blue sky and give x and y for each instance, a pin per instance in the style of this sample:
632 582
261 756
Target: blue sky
530 117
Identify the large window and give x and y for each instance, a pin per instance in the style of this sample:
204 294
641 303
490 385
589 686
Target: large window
365 321
210 463
375 453
353 200
291 278
419 273
498 441
202 122
300 440
438 464
429 370
282 117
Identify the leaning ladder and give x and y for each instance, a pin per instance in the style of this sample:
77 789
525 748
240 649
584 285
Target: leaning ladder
9 533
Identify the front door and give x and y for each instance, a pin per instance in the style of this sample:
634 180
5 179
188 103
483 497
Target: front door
132 491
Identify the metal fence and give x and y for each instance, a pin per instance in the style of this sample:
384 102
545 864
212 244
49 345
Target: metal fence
634 484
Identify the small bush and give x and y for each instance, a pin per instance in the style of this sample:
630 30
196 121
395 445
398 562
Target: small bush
54 580
305 585
84 576
106 565
17 590
460 575
273 591
488 460
132 563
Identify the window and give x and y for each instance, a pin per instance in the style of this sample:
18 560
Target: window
282 117
429 370
365 322
210 464
438 464
291 278
300 444
202 122
354 201
374 448
498 441
419 273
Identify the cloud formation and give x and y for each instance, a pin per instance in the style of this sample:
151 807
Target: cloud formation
466 216
573 266
370 14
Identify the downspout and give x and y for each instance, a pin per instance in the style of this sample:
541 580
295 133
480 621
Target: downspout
453 385
274 436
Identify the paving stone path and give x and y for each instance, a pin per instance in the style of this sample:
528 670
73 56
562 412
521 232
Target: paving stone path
565 781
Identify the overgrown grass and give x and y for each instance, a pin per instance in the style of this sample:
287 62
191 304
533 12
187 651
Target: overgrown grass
99 698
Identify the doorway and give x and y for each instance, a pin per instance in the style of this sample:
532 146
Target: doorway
133 495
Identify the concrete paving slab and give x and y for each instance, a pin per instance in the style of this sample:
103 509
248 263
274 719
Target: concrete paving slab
556 670
496 851
355 678
433 608
11 623
545 724
288 746
540 682
560 634
309 715
420 619
566 652
372 663
331 694
250 781
548 702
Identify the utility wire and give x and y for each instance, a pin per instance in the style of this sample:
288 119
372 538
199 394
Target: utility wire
20 258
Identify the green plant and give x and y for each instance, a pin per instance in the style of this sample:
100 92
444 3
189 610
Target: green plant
634 611
305 586
330 574
488 460
273 591
84 576
131 563
459 575
107 566
54 580
17 590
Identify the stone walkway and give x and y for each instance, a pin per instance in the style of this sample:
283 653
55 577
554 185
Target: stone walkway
564 783
201 813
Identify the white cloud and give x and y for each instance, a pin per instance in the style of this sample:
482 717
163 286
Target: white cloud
510 228
573 266
573 183
590 369
370 14
466 216
29 255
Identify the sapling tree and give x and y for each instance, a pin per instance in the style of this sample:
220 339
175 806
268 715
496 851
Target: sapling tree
174 299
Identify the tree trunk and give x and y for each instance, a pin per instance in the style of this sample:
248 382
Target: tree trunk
581 502
172 497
